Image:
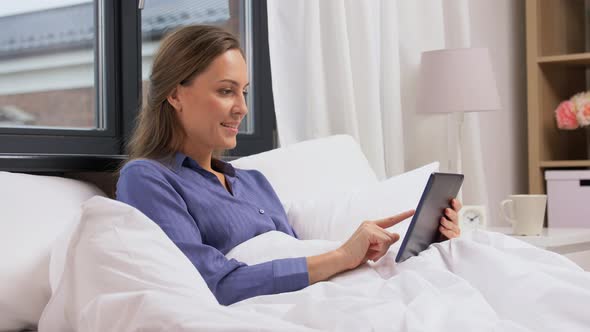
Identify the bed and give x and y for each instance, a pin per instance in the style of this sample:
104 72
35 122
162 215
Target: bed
84 262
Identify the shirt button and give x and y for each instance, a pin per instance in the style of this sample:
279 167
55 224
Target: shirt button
261 211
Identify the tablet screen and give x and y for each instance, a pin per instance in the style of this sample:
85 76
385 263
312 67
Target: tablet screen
423 229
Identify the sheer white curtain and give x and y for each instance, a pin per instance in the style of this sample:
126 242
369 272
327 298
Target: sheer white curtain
350 67
330 77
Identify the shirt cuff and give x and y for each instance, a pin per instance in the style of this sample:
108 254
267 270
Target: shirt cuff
290 274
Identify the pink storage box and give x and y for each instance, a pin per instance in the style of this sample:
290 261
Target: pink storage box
568 198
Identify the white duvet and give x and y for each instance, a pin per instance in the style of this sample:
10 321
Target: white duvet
480 282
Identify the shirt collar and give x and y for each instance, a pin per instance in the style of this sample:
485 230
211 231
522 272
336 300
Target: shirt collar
180 159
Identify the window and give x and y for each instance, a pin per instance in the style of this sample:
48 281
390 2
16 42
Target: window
58 79
72 73
47 65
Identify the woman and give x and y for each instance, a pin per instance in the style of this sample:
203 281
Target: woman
196 101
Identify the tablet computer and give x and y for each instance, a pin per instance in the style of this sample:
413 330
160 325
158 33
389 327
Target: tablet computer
423 229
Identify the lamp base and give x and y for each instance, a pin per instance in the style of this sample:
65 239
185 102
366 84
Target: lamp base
455 142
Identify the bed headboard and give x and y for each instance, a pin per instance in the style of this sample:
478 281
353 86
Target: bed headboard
96 169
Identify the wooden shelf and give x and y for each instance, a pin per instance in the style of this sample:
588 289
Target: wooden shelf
564 163
558 59
578 59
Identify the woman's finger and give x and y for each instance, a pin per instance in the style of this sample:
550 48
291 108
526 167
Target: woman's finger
387 238
373 254
378 256
456 204
393 237
447 232
378 246
380 233
382 239
449 224
390 221
451 215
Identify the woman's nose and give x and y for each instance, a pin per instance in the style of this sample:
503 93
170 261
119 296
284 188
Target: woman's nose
241 107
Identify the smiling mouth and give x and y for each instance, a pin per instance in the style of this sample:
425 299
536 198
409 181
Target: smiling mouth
227 125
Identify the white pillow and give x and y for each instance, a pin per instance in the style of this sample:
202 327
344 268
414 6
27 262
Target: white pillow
313 168
277 245
115 249
336 217
34 210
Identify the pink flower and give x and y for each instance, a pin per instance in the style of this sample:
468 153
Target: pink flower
565 114
582 105
583 115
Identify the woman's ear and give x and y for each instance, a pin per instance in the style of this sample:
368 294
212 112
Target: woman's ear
174 100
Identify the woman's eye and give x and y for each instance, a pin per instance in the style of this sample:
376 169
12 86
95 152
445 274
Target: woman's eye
245 93
226 91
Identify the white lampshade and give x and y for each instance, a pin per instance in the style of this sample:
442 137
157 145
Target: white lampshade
457 80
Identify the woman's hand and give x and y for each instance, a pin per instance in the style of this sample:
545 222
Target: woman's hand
371 240
449 223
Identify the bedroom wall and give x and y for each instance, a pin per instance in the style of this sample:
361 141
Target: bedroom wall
500 26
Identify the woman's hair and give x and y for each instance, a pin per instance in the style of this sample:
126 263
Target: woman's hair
183 54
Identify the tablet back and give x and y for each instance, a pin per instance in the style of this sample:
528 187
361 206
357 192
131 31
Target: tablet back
423 229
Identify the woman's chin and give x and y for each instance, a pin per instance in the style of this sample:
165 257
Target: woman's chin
229 144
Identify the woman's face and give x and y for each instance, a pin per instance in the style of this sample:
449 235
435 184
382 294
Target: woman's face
212 106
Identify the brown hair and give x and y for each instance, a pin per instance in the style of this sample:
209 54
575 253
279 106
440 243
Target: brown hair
183 54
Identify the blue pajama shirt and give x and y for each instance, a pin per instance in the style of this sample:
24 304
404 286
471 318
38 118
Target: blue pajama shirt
206 221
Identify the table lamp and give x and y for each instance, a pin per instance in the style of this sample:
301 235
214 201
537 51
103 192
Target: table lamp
455 81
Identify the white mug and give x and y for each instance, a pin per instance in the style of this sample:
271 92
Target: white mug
526 213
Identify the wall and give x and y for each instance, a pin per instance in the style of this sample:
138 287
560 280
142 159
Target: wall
500 26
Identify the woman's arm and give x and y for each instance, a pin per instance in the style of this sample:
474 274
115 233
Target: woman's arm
324 266
146 188
370 242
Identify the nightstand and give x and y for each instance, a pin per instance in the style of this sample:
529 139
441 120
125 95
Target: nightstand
574 243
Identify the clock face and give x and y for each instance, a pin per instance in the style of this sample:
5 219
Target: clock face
472 216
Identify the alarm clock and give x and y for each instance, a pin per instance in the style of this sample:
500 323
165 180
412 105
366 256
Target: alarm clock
472 217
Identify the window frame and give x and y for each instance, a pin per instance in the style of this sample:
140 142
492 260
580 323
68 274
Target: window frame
64 150
78 141
264 120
